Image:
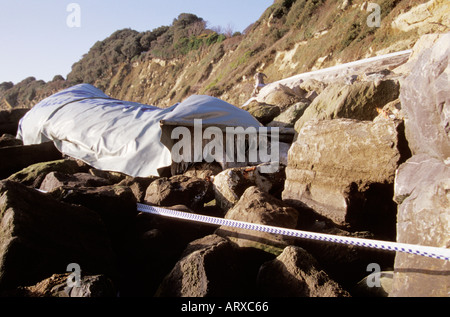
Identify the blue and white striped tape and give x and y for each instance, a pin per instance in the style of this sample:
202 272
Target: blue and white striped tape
431 252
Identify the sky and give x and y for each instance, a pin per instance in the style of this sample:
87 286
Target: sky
45 38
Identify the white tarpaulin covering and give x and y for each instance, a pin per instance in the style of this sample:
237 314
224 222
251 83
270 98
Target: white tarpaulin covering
116 135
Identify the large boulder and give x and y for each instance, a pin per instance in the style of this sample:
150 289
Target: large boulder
230 185
425 97
357 101
282 96
15 158
264 113
422 191
56 179
422 184
289 117
257 206
34 174
138 186
179 190
344 170
42 236
213 266
9 120
295 273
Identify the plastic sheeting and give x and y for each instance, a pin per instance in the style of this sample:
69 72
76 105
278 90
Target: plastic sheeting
114 135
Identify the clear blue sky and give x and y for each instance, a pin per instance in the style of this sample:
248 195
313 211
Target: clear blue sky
36 41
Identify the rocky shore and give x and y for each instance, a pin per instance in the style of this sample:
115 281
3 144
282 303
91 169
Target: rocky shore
369 159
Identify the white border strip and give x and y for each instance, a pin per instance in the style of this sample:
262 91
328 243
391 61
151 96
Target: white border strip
431 252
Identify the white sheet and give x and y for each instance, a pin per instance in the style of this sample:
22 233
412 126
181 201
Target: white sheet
116 135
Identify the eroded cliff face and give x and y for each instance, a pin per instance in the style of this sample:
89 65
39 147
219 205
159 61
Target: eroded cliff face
291 37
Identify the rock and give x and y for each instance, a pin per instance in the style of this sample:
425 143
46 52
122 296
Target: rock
213 267
422 183
203 170
206 269
256 206
138 186
358 101
344 170
423 43
368 287
163 239
295 273
231 184
9 120
97 286
179 190
313 87
15 158
42 236
112 177
282 96
345 264
262 112
429 17
9 140
289 117
116 205
391 111
33 175
56 179
425 98
422 191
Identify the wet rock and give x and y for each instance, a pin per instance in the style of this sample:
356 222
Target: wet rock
344 170
41 236
256 206
358 101
295 273
179 190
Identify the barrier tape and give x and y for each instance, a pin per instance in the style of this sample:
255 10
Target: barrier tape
431 252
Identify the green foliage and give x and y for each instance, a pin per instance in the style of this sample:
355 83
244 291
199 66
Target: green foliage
187 33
